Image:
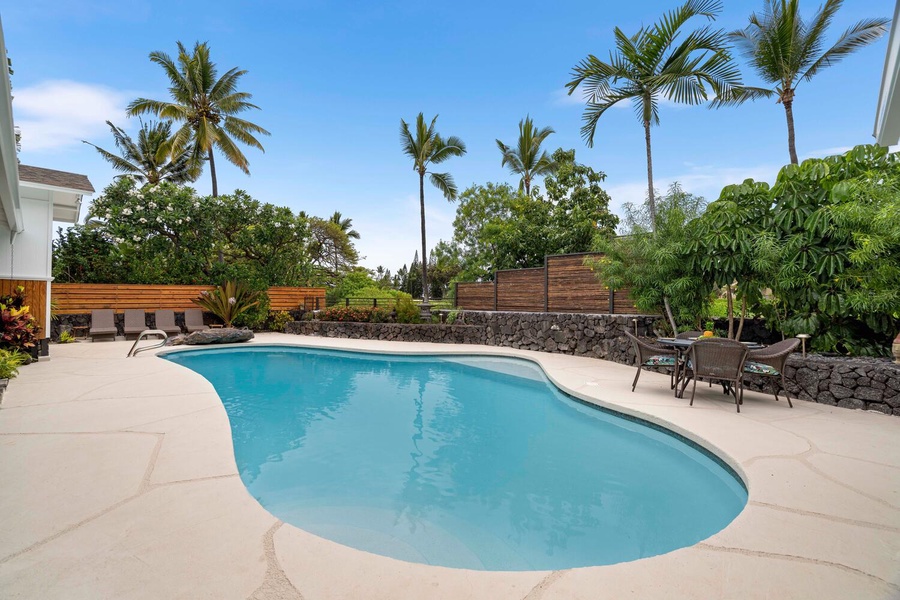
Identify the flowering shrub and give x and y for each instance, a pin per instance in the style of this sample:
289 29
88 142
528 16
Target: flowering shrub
228 302
18 328
360 314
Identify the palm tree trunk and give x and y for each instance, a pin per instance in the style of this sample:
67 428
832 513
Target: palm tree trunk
527 186
789 113
212 172
424 255
651 201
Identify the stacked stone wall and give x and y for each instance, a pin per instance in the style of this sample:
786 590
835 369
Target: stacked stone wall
868 384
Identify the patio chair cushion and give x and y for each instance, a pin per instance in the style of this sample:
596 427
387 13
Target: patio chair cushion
660 361
756 368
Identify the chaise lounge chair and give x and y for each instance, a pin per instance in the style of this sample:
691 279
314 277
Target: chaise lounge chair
135 322
165 320
193 320
103 323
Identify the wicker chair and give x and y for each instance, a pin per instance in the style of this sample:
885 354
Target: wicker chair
769 362
686 335
717 359
650 355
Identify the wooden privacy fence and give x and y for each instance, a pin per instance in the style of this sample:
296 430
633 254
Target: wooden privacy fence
79 298
563 284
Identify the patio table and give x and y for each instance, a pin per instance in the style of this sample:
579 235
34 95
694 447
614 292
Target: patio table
683 346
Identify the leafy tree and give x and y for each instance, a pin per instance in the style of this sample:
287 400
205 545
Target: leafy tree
784 49
527 159
150 159
427 148
445 265
658 61
725 238
659 269
345 223
206 106
84 255
168 234
331 251
580 206
827 252
497 227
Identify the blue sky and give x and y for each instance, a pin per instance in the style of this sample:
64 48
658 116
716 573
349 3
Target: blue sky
333 80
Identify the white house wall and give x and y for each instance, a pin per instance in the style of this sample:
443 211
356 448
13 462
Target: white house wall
30 256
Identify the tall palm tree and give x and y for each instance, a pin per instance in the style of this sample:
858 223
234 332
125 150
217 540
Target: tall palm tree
150 159
784 49
206 107
346 224
428 148
527 159
658 62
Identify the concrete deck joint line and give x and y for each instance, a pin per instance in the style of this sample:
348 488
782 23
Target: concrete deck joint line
792 557
276 585
836 519
542 586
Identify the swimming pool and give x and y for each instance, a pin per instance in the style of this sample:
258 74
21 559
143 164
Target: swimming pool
461 461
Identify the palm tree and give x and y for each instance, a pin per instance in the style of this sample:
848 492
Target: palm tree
429 148
784 49
346 225
150 159
206 107
527 159
658 62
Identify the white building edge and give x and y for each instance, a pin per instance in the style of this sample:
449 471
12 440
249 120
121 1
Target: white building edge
887 115
31 199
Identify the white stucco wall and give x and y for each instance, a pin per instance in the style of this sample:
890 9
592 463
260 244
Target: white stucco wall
30 256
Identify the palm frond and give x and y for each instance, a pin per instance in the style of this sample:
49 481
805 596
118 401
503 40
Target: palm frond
444 182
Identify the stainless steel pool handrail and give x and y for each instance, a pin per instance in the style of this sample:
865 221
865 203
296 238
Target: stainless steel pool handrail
147 332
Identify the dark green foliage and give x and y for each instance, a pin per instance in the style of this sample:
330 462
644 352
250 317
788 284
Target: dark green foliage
497 227
659 268
166 234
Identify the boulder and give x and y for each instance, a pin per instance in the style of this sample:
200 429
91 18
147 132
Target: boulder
218 336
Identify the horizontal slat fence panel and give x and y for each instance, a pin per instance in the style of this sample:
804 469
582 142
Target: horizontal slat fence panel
573 287
520 290
291 298
624 305
79 298
475 296
35 299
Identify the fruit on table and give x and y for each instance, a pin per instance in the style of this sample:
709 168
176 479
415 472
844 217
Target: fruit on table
707 333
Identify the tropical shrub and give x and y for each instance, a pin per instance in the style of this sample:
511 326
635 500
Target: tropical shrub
407 310
66 337
18 328
830 251
229 302
278 320
10 361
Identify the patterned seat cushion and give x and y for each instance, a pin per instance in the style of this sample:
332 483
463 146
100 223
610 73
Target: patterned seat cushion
760 369
660 361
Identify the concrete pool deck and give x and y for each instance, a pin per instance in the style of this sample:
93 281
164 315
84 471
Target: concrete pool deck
118 480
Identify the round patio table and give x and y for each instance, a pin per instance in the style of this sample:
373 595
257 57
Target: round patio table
683 346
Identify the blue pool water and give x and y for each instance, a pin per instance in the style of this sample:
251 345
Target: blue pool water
474 462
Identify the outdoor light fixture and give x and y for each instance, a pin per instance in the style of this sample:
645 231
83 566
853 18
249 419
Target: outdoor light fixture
803 337
635 327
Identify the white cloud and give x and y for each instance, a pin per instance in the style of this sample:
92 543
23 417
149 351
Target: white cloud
58 113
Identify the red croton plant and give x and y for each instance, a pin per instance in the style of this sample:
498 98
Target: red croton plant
18 327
